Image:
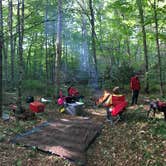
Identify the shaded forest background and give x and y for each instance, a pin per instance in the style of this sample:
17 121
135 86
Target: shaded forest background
46 44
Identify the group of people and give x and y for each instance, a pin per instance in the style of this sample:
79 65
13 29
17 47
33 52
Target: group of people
115 103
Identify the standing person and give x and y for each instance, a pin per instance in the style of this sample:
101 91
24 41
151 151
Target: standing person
135 87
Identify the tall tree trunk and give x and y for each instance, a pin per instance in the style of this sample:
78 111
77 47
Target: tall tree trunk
46 61
11 41
1 47
158 49
58 47
46 53
141 13
92 21
20 14
5 64
52 66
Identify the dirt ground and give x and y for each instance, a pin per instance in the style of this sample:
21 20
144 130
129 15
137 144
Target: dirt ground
133 141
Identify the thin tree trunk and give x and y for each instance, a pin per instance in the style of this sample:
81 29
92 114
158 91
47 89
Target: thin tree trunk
52 67
92 21
20 14
15 49
1 48
46 61
5 64
158 49
58 47
11 42
141 13
46 53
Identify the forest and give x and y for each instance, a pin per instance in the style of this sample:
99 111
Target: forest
90 46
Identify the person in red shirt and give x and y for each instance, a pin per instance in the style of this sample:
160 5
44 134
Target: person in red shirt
135 87
72 91
74 94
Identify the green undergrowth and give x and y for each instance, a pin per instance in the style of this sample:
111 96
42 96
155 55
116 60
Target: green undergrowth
158 128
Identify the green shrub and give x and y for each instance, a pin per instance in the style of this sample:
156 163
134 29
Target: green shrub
159 129
34 86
